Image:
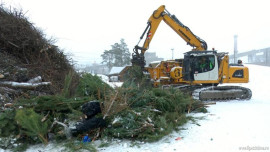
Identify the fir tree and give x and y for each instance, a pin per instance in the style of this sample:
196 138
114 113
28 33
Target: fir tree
118 55
8 125
32 125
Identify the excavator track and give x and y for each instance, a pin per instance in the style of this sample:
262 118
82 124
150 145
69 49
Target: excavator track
223 93
216 93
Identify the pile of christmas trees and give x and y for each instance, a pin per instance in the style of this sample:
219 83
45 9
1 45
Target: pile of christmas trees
133 111
46 118
138 111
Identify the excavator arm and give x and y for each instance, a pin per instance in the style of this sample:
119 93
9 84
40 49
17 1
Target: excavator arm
183 31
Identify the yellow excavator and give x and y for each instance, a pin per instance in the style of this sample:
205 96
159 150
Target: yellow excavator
201 70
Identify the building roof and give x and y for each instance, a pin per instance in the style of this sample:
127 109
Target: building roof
116 70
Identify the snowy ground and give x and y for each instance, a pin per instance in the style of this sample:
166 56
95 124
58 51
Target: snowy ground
112 84
228 127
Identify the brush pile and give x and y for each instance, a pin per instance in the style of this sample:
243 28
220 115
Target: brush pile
31 66
26 54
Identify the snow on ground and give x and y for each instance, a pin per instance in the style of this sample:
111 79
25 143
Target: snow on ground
228 127
112 84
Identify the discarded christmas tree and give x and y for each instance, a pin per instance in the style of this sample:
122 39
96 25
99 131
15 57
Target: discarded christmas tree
32 125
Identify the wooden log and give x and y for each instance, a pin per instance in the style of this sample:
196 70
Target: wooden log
209 103
23 85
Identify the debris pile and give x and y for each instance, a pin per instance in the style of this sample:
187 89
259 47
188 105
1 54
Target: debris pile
32 75
26 54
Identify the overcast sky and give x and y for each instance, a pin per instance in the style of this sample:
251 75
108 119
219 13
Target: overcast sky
85 28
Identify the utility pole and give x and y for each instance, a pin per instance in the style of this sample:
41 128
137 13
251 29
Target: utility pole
235 49
266 53
172 52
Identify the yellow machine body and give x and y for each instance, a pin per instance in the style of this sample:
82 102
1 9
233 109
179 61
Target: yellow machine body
187 70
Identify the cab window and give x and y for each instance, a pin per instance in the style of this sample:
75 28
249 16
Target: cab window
204 63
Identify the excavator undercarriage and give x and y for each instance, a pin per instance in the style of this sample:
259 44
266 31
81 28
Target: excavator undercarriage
223 93
214 93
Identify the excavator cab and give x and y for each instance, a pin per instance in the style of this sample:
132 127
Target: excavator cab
200 66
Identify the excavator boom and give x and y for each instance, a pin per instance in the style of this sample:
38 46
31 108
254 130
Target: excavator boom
171 20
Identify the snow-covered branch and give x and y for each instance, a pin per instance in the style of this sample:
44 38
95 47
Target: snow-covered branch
35 80
31 84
